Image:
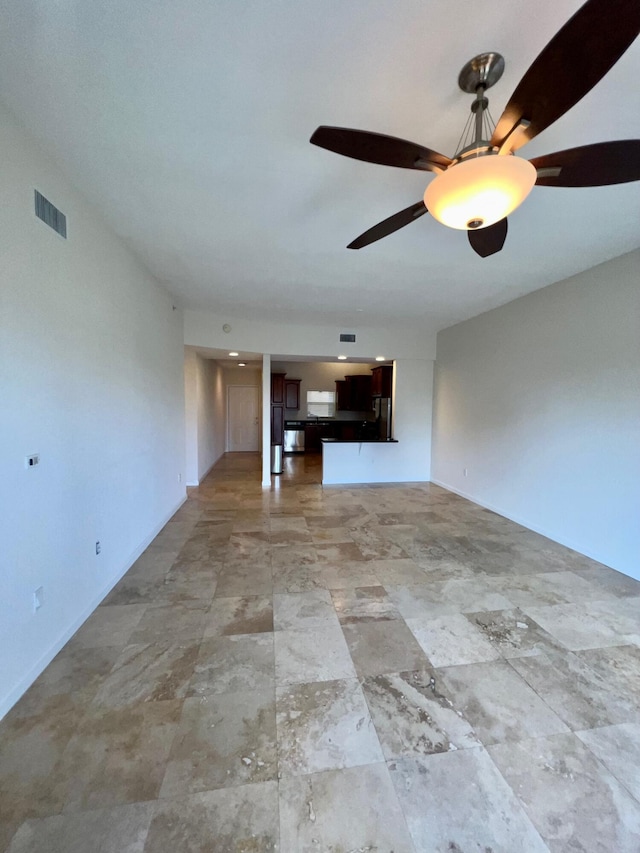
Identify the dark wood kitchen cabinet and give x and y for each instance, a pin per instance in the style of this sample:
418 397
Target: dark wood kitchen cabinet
311 437
313 433
277 389
381 380
343 399
277 408
353 394
359 392
292 393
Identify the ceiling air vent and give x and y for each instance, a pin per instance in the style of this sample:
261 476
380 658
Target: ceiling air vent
347 339
50 215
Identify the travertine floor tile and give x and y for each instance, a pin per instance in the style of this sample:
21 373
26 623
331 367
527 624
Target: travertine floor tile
618 748
609 581
155 727
573 800
458 801
75 671
579 695
318 655
451 640
109 626
304 610
243 579
546 589
618 665
342 810
221 741
513 633
234 663
117 830
498 703
440 597
252 614
176 622
348 575
413 716
230 820
118 756
32 743
363 604
148 672
324 726
383 646
578 627
295 579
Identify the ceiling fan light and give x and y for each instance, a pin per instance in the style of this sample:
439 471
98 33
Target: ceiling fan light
480 191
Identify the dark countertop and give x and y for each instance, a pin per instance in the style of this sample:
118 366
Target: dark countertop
359 440
303 421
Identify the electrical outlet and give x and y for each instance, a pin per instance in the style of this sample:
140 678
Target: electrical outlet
464 472
179 478
98 547
32 461
38 599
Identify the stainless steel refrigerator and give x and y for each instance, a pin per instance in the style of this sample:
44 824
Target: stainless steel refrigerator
382 409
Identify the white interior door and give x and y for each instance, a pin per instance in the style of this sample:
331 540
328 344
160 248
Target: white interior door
243 417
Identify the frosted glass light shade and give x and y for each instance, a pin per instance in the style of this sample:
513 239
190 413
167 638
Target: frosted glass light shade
484 189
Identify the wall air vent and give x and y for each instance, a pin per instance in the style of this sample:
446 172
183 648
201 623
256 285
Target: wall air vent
50 215
347 339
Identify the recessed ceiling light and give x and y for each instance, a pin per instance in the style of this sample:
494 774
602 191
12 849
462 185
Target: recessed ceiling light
342 358
233 354
380 358
241 364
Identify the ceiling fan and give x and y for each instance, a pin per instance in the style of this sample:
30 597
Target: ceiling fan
485 180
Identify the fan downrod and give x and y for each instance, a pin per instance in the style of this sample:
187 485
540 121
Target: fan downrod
483 71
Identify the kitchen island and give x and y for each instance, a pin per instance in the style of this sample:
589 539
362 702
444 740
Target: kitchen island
353 461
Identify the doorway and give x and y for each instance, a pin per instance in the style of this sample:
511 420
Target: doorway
243 418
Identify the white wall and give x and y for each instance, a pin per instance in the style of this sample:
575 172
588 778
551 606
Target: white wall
191 403
91 371
540 401
212 416
205 414
205 329
242 376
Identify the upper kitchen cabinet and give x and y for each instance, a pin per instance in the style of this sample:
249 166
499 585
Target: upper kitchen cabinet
360 392
292 393
353 394
381 380
277 389
343 398
277 408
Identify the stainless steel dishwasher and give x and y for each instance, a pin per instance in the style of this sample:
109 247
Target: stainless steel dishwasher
294 437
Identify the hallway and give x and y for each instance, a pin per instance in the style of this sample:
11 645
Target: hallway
377 668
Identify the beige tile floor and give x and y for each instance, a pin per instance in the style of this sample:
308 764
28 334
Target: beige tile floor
341 670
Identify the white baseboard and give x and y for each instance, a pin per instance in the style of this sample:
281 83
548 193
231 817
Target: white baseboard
8 701
575 546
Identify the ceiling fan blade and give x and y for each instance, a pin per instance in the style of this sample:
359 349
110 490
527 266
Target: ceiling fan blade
388 226
590 165
576 58
378 148
487 241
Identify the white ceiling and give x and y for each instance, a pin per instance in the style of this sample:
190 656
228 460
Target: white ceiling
187 123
